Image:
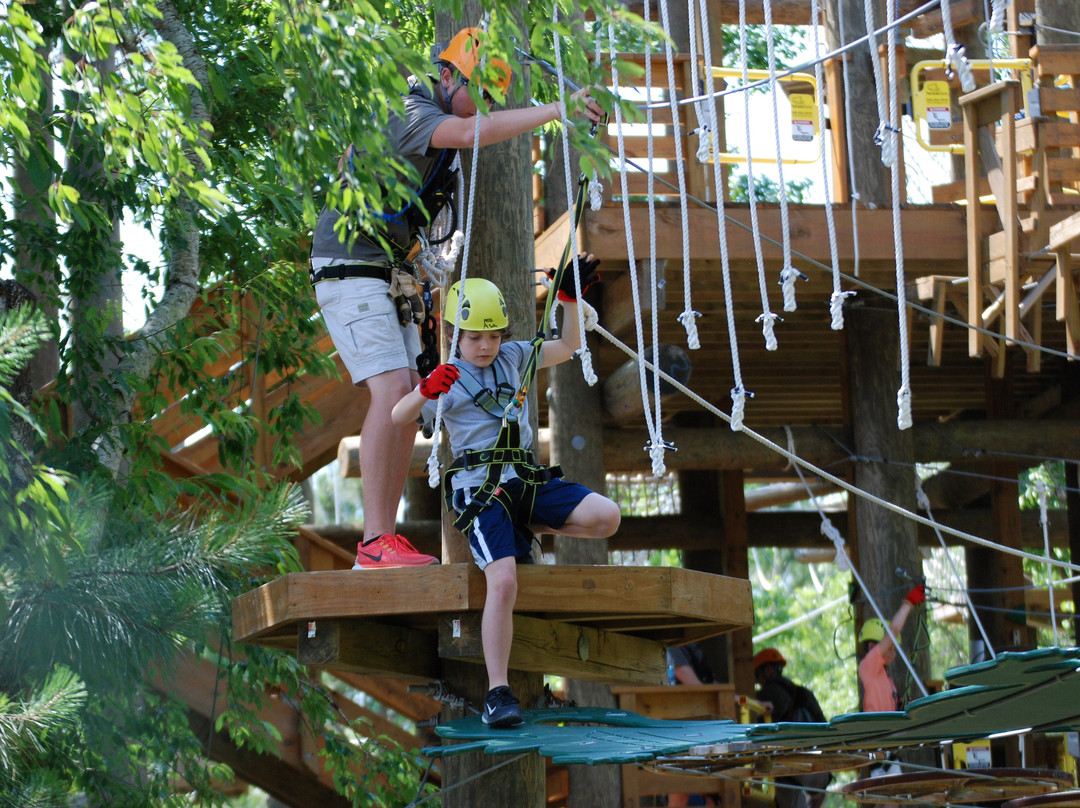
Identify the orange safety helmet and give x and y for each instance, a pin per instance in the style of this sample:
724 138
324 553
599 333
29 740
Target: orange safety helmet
464 53
769 656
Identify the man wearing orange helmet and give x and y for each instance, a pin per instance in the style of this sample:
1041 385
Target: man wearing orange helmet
790 702
353 273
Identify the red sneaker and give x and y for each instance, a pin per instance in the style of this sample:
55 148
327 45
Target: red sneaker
390 550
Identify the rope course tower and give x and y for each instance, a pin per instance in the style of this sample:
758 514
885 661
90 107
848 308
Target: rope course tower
933 332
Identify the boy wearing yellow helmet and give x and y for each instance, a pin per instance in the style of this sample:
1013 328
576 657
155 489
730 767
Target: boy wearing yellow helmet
476 386
353 273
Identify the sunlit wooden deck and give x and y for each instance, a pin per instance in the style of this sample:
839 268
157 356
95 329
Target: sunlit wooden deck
600 623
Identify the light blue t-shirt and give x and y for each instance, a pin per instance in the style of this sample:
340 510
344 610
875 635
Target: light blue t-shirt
468 424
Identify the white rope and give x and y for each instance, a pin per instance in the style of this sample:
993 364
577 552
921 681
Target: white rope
654 438
656 447
433 458
903 395
836 300
583 352
596 188
888 146
835 303
688 318
1040 488
767 318
705 120
738 392
796 621
924 503
954 52
788 275
997 16
832 478
843 561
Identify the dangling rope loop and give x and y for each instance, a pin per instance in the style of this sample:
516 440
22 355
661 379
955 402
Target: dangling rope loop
433 458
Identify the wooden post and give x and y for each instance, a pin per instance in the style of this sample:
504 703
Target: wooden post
575 415
501 250
887 541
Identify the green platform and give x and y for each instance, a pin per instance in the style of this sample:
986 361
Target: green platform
1034 690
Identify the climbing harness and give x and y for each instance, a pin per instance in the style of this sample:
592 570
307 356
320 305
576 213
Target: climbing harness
507 404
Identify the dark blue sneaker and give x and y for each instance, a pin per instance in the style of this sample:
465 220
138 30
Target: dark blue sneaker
501 708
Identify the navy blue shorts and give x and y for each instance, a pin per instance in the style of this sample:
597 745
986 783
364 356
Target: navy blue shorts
493 534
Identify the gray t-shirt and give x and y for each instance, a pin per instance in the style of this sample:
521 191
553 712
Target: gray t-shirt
410 137
469 425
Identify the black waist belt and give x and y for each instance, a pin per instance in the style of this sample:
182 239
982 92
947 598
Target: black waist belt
343 271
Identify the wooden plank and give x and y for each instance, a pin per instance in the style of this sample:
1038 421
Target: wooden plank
1010 212
667 596
393 694
370 647
300 597
550 246
550 646
618 300
1062 233
941 232
1062 169
708 701
1056 60
1068 308
962 12
973 216
1059 99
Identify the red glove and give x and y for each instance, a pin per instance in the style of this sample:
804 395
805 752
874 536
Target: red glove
439 381
586 271
917 595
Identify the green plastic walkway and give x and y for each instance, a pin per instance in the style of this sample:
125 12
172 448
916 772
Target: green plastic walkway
1036 690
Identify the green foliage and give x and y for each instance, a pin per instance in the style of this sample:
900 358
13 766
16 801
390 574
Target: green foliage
789 43
219 127
767 189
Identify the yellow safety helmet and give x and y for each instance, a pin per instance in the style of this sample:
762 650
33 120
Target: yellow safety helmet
482 306
873 630
464 53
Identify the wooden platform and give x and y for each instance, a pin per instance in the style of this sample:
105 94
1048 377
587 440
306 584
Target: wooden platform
600 623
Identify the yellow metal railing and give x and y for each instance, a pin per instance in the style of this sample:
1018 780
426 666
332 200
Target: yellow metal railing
931 101
804 115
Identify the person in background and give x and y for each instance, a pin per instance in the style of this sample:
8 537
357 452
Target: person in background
788 701
687 666
368 296
879 689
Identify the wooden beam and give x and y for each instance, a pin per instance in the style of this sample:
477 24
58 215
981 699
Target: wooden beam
618 302
667 604
791 529
941 232
370 647
547 646
622 389
285 775
823 446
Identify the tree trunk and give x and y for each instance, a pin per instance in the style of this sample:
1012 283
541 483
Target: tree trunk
871 177
37 269
1054 14
501 250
